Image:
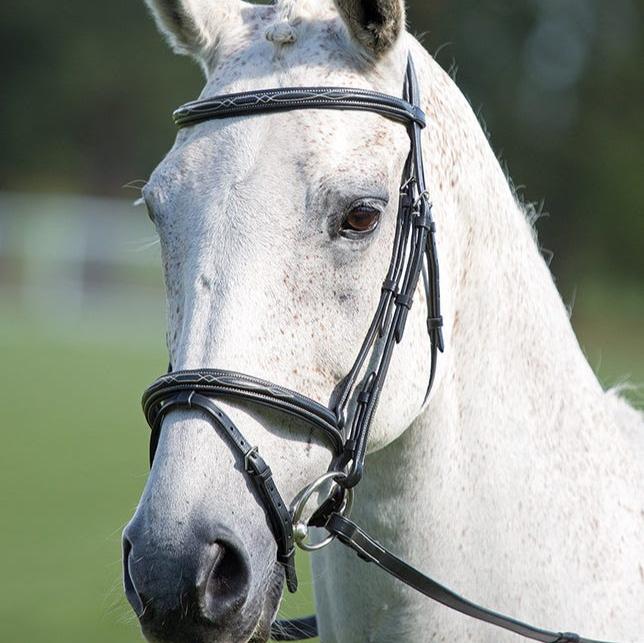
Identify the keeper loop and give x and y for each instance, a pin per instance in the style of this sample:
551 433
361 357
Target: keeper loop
425 221
405 300
423 196
363 397
389 285
568 637
434 322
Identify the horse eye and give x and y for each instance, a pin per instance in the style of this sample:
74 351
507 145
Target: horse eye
361 219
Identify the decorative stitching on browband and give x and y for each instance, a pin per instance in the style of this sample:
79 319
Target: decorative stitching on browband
299 98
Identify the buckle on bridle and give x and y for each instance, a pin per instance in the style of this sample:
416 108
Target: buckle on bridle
422 197
254 464
247 458
405 186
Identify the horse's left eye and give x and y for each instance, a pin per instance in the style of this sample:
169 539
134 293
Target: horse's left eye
361 219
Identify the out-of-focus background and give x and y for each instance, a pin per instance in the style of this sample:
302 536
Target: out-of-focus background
87 90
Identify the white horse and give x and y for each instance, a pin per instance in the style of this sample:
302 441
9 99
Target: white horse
519 483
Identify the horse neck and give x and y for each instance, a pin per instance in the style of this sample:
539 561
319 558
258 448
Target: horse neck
513 385
517 426
511 348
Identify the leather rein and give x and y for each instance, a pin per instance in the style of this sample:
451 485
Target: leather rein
413 255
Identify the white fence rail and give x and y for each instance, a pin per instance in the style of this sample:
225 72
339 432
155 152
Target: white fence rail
71 258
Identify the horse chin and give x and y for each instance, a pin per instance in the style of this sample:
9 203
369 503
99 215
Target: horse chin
272 600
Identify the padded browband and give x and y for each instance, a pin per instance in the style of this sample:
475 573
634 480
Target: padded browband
292 98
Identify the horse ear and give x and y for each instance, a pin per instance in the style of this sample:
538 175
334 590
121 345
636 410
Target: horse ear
375 24
192 27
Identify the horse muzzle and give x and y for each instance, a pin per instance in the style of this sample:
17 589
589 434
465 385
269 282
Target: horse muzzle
199 592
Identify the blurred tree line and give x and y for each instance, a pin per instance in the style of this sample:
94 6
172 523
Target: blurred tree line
87 91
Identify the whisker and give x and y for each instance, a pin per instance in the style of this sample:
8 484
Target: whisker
136 184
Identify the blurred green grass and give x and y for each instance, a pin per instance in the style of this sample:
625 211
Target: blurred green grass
73 452
73 465
74 461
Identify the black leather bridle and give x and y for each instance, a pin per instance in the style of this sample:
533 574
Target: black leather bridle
347 434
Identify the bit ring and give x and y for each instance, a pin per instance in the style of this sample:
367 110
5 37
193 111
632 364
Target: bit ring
300 527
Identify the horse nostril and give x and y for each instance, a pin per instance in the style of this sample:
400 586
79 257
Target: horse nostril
130 588
224 582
